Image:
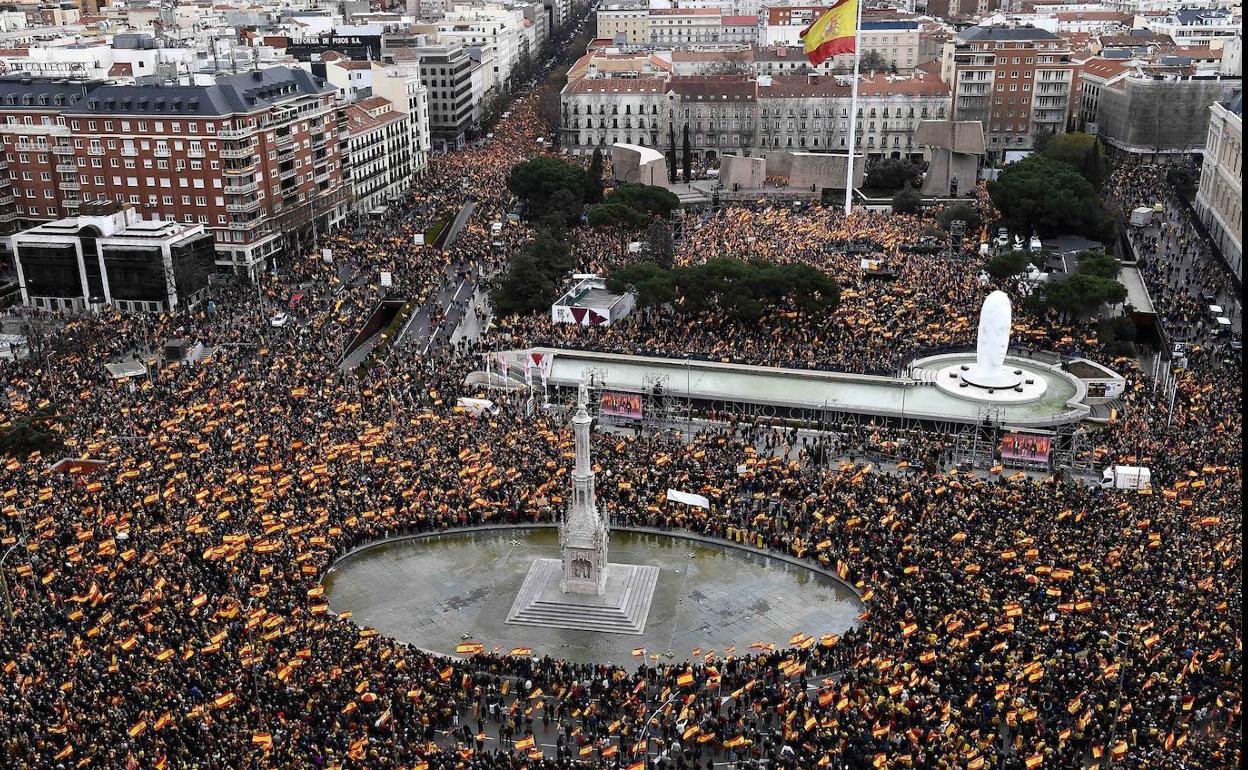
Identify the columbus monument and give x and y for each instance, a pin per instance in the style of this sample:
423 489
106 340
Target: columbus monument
581 590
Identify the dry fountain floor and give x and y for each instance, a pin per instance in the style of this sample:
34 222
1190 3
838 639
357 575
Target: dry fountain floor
432 591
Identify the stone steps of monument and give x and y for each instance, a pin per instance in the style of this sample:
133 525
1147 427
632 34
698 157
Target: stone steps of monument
600 613
629 618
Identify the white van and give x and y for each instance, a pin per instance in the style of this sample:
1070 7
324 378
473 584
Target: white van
477 406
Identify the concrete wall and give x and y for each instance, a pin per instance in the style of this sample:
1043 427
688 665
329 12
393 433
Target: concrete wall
965 168
822 170
630 164
740 172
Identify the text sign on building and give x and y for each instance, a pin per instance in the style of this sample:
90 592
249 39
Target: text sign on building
355 46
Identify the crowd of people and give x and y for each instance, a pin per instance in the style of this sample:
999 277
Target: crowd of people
911 301
164 606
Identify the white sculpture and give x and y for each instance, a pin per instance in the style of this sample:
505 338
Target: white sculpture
991 345
583 534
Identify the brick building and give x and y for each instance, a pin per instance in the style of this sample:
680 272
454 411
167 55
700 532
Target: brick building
1017 81
253 157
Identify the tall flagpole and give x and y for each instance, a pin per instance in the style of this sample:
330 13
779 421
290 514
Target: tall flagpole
853 113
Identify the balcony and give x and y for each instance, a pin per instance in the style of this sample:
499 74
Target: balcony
5 181
3 163
62 149
96 151
239 152
67 168
7 216
5 199
236 133
284 140
239 170
288 174
196 153
69 186
161 152
245 188
245 207
246 224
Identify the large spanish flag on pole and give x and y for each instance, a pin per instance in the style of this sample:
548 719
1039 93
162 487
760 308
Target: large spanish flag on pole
832 33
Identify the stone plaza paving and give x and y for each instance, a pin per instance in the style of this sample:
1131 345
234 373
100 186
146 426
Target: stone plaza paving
431 592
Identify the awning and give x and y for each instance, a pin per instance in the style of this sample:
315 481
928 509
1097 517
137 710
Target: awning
123 369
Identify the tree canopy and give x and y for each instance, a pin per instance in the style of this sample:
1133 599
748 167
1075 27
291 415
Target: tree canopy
1082 152
537 181
534 276
1007 265
891 174
1047 197
742 290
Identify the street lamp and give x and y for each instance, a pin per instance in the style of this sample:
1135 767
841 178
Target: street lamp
1123 662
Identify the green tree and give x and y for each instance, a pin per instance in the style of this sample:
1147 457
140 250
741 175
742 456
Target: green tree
874 61
536 181
686 161
615 219
907 201
653 284
1007 265
1043 196
659 244
963 211
1082 294
671 153
742 290
593 187
891 174
1082 152
524 288
535 275
566 204
1097 263
650 200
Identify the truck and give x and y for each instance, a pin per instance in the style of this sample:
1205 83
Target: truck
1126 477
1142 216
477 406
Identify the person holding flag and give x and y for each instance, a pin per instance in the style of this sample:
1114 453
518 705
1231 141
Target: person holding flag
836 31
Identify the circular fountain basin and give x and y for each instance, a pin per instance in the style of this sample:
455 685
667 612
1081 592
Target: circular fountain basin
435 591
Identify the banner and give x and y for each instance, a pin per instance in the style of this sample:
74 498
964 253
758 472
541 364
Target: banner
1026 447
688 498
622 405
540 361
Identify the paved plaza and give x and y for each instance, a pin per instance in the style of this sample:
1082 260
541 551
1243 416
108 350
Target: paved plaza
431 592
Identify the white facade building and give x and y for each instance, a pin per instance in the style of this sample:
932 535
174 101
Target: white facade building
1220 199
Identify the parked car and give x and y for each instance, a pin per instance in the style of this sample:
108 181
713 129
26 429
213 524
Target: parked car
279 320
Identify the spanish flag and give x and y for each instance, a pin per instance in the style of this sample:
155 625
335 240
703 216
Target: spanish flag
832 33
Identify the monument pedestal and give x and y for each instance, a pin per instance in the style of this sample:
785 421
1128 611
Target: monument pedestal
620 609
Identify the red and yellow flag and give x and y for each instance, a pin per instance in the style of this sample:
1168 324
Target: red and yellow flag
832 33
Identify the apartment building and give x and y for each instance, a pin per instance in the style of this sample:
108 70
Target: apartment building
447 72
1197 26
377 142
1015 80
400 84
497 28
672 27
253 157
741 114
1220 200
629 24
